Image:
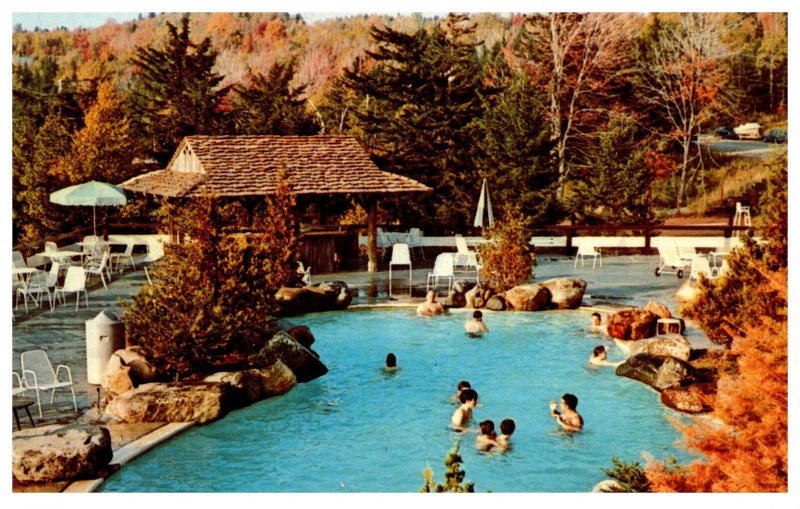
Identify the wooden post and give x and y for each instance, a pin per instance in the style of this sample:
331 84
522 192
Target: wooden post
371 204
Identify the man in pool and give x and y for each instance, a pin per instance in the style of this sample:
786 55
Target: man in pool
475 327
598 357
463 414
568 418
430 307
391 362
597 324
507 427
456 398
486 441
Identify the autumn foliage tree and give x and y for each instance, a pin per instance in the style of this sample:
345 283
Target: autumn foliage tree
212 298
508 258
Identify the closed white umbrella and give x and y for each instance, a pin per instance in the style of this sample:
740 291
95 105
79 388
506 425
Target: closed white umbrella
92 194
484 202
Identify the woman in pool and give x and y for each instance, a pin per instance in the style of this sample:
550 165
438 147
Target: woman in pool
598 357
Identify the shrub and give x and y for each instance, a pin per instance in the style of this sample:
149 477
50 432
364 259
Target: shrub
212 297
508 259
453 476
630 475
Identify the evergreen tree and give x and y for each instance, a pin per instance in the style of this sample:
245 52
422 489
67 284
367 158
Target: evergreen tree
176 91
269 105
615 188
419 101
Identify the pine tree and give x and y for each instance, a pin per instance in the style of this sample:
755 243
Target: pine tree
176 91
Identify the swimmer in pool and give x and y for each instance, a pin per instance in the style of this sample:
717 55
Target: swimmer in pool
569 419
430 307
507 427
391 362
463 384
486 441
463 414
598 357
597 324
475 327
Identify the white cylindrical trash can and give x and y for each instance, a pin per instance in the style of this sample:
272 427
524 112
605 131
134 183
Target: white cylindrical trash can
105 334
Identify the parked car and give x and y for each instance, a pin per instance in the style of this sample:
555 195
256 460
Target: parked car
776 136
726 133
750 130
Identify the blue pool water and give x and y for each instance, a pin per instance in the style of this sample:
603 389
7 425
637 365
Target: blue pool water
360 429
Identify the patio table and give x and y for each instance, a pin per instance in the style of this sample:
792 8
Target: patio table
62 257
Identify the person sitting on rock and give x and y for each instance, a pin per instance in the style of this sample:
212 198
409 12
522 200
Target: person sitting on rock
391 362
463 414
569 418
475 326
598 357
462 385
430 307
507 427
486 441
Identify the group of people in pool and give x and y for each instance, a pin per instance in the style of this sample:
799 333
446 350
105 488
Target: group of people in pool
488 440
475 326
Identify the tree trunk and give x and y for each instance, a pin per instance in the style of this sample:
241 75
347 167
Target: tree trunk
371 204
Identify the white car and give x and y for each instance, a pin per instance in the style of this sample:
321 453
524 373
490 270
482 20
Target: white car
751 130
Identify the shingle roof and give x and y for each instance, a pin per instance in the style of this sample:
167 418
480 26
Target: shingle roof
248 165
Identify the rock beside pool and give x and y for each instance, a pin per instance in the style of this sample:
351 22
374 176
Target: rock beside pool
257 384
668 345
477 296
658 372
694 399
304 362
455 299
609 486
496 303
303 335
565 292
127 368
59 453
631 323
658 309
174 402
529 297
327 296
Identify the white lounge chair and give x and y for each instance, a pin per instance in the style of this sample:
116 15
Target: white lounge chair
700 266
584 251
442 268
464 256
39 375
116 258
670 258
99 267
74 282
742 216
400 256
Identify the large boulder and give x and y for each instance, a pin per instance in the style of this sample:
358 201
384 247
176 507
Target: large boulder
496 303
175 402
631 323
656 371
302 361
669 345
327 296
694 399
658 309
455 299
59 452
565 292
302 334
474 297
528 297
257 384
127 368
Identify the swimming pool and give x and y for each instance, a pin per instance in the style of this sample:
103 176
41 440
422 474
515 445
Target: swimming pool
361 429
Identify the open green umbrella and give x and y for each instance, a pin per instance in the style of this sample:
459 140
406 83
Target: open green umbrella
92 194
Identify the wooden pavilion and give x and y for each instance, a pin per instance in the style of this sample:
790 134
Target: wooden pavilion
247 167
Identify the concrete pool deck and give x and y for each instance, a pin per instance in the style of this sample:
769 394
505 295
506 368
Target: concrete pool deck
621 281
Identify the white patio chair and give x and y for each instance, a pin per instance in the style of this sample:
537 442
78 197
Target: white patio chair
304 272
442 268
39 375
400 256
52 281
19 260
584 251
669 257
50 247
35 287
74 282
700 266
98 267
117 258
414 240
17 388
90 242
464 256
